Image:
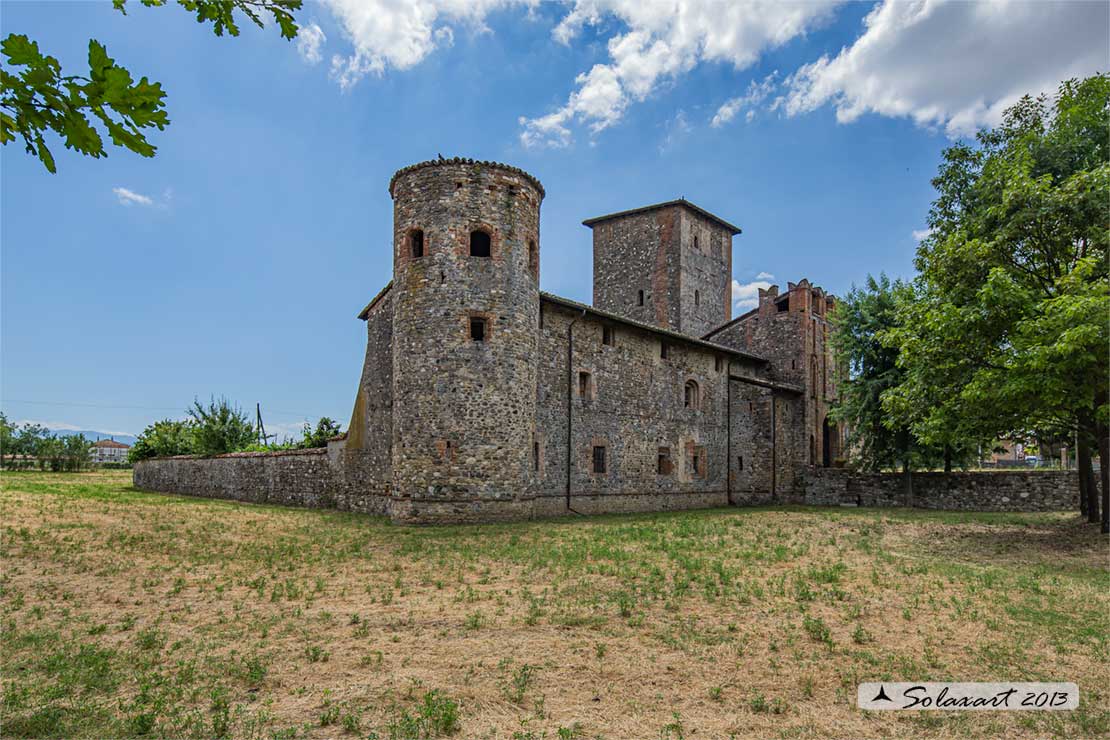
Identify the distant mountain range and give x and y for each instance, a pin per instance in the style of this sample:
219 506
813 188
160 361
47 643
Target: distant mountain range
93 435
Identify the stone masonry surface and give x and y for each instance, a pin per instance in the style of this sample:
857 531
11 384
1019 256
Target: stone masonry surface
481 399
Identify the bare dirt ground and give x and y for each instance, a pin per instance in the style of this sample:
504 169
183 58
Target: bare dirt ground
130 614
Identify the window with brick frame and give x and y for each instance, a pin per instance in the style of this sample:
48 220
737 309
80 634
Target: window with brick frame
479 243
690 398
585 386
663 464
479 329
599 460
416 243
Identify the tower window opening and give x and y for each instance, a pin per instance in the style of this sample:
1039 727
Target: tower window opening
478 329
697 298
599 459
607 336
664 350
536 456
640 298
718 364
784 305
695 242
416 243
740 463
479 244
533 257
690 396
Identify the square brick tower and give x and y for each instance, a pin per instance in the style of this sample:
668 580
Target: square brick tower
668 264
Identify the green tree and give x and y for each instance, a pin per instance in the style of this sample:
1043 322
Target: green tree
7 437
163 439
36 97
326 428
1008 329
220 427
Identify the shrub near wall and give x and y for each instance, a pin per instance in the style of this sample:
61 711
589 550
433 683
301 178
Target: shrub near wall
1011 490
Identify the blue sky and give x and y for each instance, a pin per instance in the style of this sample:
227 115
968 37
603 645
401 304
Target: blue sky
234 262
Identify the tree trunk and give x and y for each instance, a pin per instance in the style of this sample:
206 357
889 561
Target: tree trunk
1104 473
907 482
948 458
1082 462
1088 434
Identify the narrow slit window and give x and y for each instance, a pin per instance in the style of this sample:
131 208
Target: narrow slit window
479 244
533 257
416 243
584 385
599 459
536 456
664 350
697 298
478 327
640 298
695 242
607 336
718 364
740 463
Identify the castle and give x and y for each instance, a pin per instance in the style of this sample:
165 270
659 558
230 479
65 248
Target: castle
483 398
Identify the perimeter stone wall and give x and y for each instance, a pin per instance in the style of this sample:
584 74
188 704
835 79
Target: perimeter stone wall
1011 490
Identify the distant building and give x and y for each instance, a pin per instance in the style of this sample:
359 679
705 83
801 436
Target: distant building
109 450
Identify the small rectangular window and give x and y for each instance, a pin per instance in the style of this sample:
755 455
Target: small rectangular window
663 461
664 350
477 329
640 298
416 239
584 384
718 364
740 462
599 459
607 335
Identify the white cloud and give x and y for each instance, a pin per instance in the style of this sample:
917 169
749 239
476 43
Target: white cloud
309 40
919 234
130 197
399 34
663 40
746 295
756 94
764 276
956 65
676 129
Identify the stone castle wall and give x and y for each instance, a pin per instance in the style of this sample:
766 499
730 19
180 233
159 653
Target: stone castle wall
305 478
1012 490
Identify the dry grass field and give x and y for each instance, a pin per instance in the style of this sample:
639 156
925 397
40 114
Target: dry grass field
130 614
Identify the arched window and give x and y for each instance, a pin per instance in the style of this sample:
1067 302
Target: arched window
690 397
416 243
695 242
479 244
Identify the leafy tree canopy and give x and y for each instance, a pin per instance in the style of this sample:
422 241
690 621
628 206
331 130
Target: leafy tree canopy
36 97
1007 325
326 428
219 428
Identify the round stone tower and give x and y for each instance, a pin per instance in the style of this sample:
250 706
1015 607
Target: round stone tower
465 337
